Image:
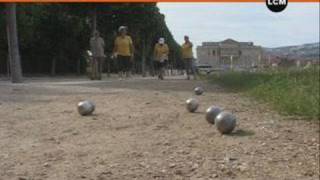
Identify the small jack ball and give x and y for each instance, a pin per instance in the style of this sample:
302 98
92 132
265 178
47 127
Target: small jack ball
198 90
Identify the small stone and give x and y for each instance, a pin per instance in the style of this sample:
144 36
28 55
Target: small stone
214 175
195 166
46 165
243 167
178 172
172 165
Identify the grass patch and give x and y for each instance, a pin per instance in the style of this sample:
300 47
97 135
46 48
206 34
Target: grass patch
291 92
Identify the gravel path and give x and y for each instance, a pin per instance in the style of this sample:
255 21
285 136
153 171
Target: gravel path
141 130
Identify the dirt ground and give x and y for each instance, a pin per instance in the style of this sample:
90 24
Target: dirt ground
141 130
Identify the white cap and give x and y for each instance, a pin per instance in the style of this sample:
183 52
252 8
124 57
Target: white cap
161 40
122 28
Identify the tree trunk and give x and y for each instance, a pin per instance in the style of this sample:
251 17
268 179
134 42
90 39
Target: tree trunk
53 67
94 21
78 67
8 66
143 63
15 65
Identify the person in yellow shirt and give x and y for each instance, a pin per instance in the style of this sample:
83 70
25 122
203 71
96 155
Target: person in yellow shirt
187 56
123 51
161 56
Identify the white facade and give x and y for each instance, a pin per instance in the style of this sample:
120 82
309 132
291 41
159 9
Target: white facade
229 54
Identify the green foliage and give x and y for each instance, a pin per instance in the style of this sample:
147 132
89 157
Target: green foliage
292 92
61 32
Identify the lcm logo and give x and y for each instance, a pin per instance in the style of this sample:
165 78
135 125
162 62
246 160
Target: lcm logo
276 5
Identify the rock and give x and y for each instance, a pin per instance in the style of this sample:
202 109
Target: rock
172 165
195 166
214 175
178 172
243 167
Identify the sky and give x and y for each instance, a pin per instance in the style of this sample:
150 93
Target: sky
297 24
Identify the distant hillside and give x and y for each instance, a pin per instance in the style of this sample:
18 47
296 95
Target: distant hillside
305 51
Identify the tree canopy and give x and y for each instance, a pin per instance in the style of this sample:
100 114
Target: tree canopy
60 33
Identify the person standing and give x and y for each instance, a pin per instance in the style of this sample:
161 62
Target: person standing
123 51
187 56
161 56
97 48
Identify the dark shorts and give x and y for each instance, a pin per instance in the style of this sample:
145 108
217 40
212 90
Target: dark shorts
159 65
124 63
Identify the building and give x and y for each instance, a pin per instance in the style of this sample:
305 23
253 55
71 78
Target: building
229 54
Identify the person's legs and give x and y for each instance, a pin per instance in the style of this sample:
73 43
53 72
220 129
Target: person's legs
100 67
120 64
194 69
162 69
129 66
156 68
187 67
126 65
94 68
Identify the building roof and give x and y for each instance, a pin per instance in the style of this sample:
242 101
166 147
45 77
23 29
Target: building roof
227 41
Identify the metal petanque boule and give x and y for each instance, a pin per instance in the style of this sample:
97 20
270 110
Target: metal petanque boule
198 90
225 122
192 104
211 113
86 107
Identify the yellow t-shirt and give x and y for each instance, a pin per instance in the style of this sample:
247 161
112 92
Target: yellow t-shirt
123 45
161 52
186 50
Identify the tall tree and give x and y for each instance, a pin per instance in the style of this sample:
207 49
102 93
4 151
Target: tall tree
13 45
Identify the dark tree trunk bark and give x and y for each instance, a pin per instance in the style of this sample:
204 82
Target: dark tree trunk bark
78 67
13 46
53 67
15 64
143 63
8 66
94 20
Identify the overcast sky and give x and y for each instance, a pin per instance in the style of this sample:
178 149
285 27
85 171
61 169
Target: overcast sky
297 24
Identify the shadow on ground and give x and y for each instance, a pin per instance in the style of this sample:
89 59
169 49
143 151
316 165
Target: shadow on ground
242 133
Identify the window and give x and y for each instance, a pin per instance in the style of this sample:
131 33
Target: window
213 52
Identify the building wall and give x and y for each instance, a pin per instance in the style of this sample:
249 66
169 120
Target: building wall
218 54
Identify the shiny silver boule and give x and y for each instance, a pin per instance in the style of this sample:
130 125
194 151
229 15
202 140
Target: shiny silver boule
225 122
211 113
192 104
93 105
86 107
198 90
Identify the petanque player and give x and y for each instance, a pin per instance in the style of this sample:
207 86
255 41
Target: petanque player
123 51
161 56
98 56
187 56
